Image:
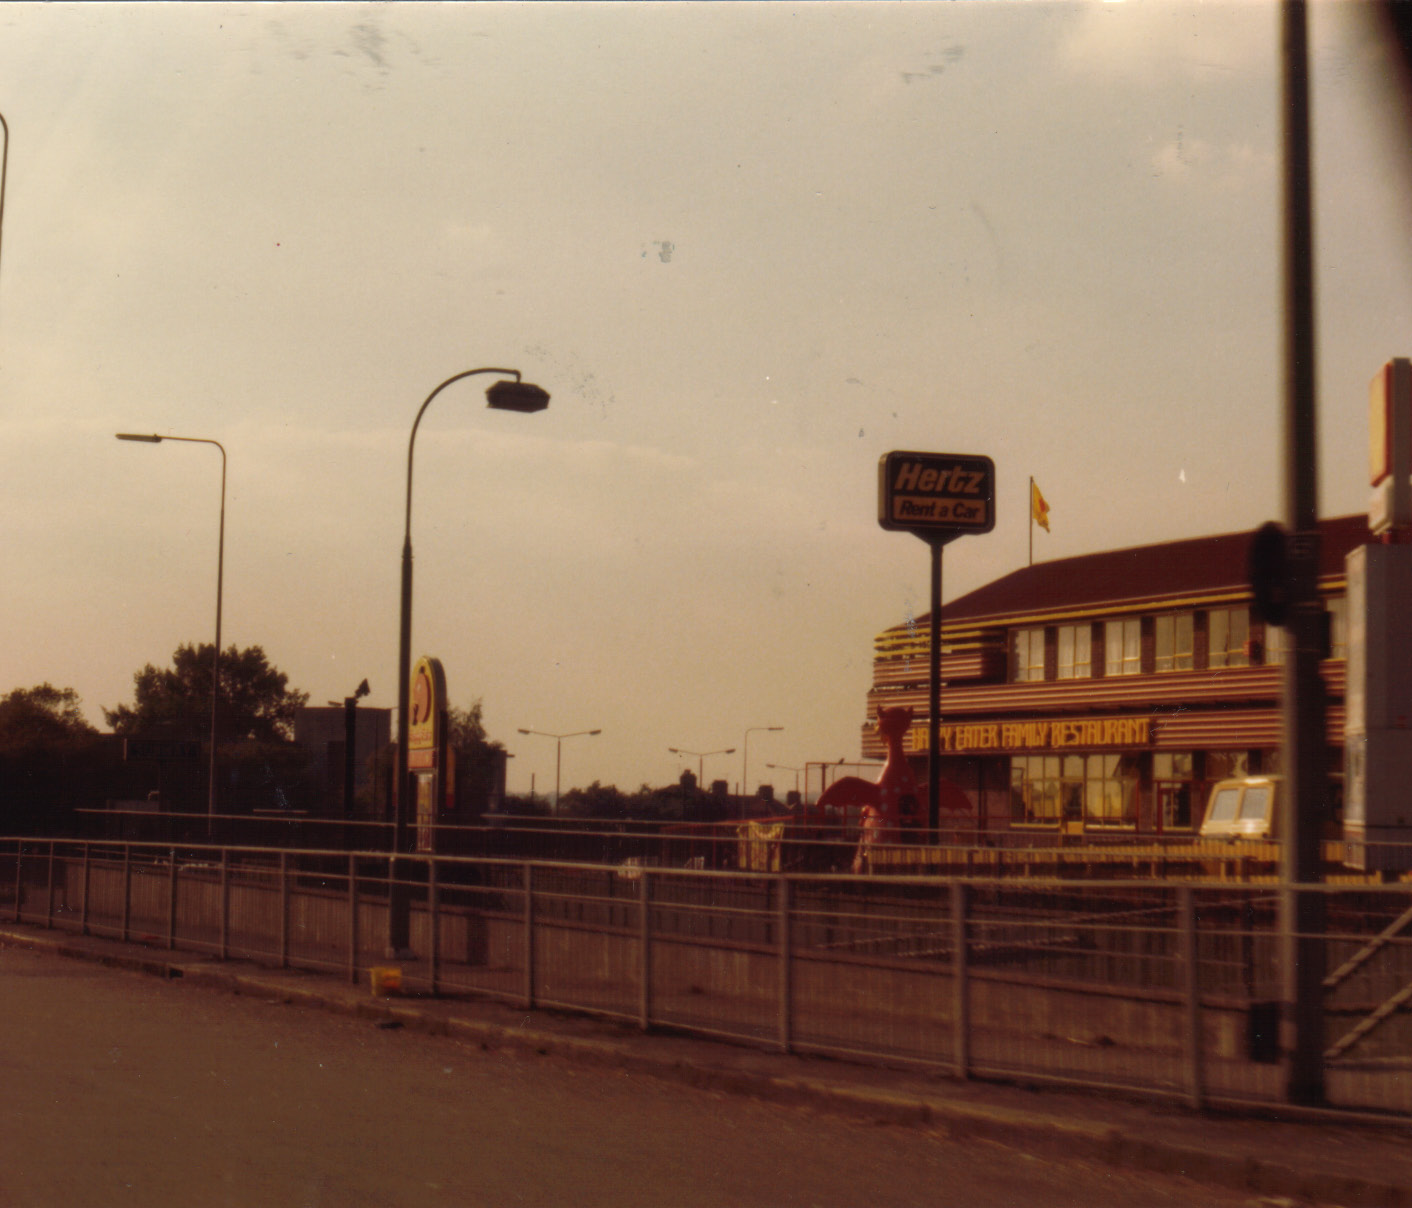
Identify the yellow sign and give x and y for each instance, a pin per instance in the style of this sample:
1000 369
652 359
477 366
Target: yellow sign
1055 735
428 707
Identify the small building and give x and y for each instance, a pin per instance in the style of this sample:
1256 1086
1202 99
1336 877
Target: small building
1105 693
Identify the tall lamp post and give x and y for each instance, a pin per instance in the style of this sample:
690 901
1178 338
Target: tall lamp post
700 757
558 754
745 764
220 581
784 767
503 395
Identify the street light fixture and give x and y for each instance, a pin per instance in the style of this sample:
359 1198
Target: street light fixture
154 439
784 767
745 765
513 395
700 757
558 753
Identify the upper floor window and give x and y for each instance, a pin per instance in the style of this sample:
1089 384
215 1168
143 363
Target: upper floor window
1228 630
1122 647
1028 654
1075 652
1174 641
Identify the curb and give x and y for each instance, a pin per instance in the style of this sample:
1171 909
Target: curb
1099 1142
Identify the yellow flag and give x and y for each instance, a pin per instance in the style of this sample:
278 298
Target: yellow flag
1038 508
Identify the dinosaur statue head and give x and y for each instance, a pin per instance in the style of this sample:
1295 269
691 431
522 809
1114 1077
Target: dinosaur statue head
894 722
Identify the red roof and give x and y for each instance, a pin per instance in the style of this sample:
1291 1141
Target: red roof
1172 569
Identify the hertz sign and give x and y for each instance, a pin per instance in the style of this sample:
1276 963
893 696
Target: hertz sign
936 495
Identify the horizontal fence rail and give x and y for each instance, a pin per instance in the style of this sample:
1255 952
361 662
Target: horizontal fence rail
1165 988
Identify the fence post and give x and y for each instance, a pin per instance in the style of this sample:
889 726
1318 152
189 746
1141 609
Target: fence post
49 911
644 936
284 910
434 922
172 901
528 878
786 959
1191 987
127 892
960 979
83 910
225 903
19 877
353 919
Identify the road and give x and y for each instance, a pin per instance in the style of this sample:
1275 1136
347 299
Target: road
125 1089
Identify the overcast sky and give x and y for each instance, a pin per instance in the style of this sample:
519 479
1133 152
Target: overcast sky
747 248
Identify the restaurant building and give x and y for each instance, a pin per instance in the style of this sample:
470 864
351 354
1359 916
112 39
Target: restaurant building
1105 693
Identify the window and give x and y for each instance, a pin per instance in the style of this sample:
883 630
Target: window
1111 790
1228 630
1101 790
1028 654
1172 788
1174 642
1123 647
1075 652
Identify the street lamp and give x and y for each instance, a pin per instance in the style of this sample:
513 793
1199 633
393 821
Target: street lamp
784 767
700 757
745 765
501 396
558 753
220 579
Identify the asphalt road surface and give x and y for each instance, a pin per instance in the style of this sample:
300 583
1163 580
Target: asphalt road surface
125 1089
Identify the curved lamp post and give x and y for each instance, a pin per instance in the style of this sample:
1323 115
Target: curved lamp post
745 765
220 580
503 395
558 753
700 757
784 767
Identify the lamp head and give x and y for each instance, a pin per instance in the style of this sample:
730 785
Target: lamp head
154 439
517 396
361 690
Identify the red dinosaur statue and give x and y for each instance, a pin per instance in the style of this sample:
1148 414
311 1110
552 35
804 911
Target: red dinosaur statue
892 801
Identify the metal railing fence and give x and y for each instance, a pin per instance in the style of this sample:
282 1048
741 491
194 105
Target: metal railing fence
1161 988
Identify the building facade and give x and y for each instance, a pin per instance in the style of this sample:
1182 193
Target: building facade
1105 693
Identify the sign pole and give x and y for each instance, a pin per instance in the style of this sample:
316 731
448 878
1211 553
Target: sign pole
934 699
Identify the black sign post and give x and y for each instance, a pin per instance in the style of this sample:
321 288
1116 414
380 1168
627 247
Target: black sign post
937 497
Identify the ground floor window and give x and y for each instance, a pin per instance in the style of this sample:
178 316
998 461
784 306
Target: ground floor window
1173 787
1100 790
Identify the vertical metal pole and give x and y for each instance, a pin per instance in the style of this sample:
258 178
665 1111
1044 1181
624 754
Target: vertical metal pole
19 878
434 922
49 911
1191 989
528 880
934 699
1304 757
960 979
353 920
225 904
284 910
127 892
172 901
783 919
83 910
644 936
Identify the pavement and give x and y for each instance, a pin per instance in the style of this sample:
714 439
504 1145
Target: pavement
1280 1155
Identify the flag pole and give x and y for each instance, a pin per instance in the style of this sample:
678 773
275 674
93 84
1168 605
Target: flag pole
1031 510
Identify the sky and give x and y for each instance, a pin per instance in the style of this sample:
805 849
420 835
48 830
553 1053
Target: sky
747 248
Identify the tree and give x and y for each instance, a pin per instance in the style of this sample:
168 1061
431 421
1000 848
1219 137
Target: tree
255 701
42 716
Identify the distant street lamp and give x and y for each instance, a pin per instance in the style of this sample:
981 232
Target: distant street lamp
558 753
514 395
784 767
700 757
745 765
220 580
